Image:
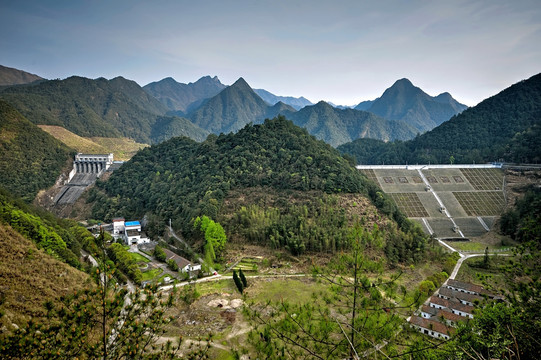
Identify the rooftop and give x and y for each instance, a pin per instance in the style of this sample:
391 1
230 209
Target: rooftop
132 223
430 325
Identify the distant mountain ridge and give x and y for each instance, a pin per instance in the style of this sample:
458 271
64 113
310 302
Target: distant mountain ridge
506 126
10 76
184 97
100 107
233 108
295 102
337 126
405 102
239 104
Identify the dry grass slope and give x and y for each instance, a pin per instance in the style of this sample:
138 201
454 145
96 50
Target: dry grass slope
29 276
122 148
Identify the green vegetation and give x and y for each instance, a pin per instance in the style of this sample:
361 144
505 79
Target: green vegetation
343 322
125 262
339 126
151 274
501 127
100 322
30 159
100 107
523 222
214 235
276 155
62 239
238 282
159 254
139 258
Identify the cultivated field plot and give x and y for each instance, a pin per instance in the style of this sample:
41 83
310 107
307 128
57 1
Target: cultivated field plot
370 174
451 204
484 179
470 226
442 227
485 203
410 204
399 180
431 205
447 180
489 220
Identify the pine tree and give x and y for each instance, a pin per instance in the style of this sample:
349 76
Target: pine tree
243 279
237 282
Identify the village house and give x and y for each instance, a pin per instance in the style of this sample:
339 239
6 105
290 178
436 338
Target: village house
455 306
431 327
184 265
129 231
453 303
442 315
463 297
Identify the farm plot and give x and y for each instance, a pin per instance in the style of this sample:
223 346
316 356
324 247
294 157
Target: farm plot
442 227
489 221
410 204
370 174
399 180
447 180
486 203
484 179
470 226
451 204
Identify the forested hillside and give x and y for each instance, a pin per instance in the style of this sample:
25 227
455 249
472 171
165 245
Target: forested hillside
181 179
30 159
338 126
502 127
100 107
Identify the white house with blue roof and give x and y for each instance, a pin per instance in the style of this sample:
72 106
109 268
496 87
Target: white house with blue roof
130 231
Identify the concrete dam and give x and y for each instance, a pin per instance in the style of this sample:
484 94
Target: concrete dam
86 169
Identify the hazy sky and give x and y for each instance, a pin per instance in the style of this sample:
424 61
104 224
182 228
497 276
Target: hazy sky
341 51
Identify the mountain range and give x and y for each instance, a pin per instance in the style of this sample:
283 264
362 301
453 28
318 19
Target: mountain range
405 102
100 107
178 97
504 127
167 108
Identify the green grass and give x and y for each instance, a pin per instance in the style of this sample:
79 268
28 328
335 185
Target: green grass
219 286
292 290
151 274
493 277
474 246
139 258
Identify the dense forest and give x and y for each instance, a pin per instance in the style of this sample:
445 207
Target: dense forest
181 180
100 107
30 159
503 127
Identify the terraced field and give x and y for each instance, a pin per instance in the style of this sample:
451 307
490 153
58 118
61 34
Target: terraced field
458 194
485 203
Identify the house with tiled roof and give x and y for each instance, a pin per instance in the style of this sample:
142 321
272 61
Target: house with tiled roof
453 305
184 265
464 297
464 287
442 315
430 327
